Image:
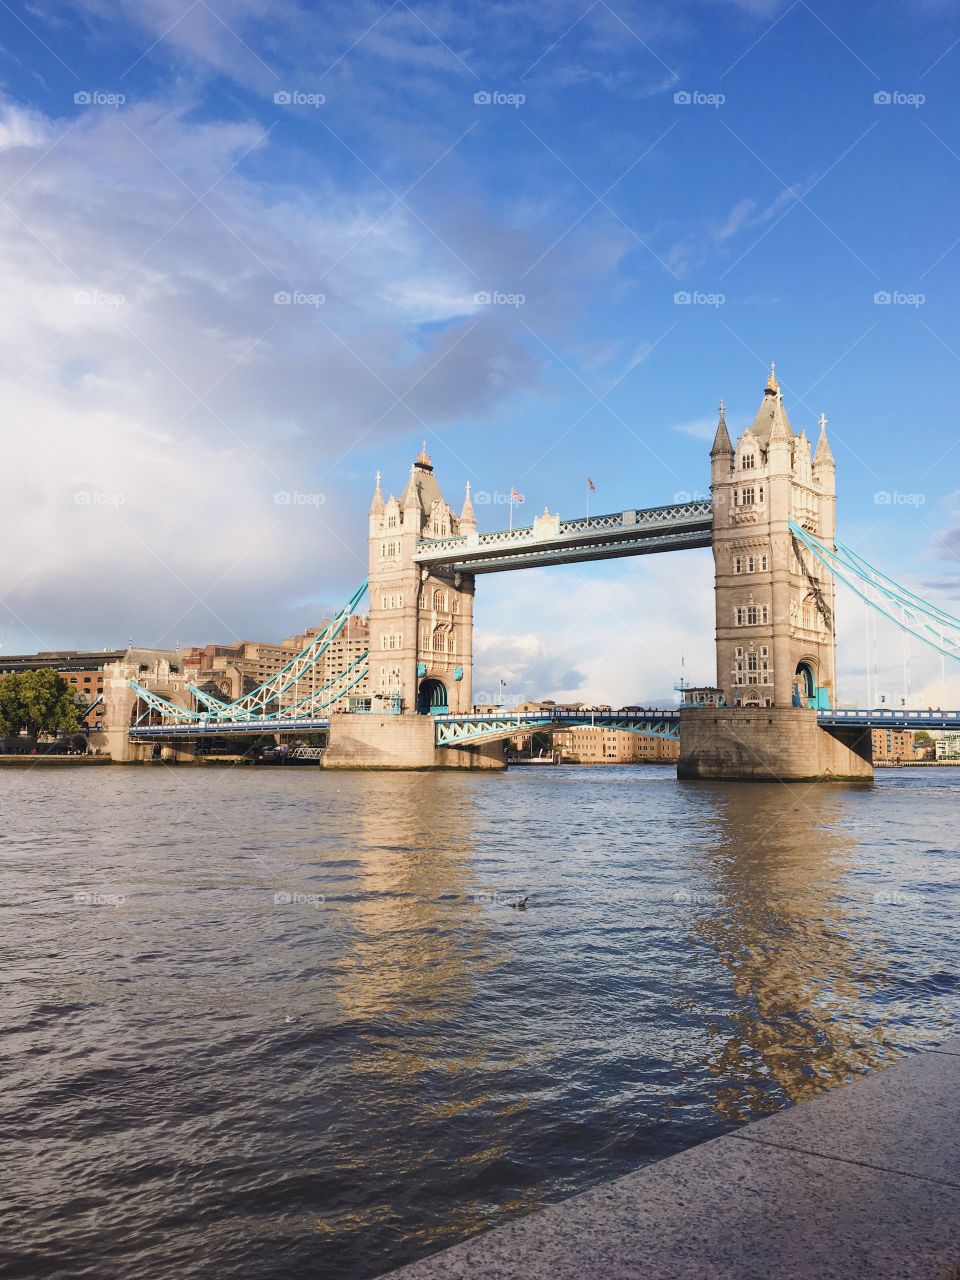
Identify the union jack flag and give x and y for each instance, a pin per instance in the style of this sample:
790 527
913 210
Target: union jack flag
515 497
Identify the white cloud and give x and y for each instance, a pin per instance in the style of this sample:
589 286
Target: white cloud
700 429
145 364
605 624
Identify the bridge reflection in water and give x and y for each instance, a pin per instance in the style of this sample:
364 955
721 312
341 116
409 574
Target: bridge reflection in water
691 956
772 912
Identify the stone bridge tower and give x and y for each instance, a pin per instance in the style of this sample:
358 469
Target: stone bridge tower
776 630
421 621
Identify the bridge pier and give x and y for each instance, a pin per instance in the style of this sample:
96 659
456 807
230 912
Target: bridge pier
770 744
370 741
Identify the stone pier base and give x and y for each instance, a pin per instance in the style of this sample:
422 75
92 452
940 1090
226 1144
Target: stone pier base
783 744
118 744
401 742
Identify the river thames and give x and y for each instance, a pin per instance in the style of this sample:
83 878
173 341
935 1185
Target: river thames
286 1023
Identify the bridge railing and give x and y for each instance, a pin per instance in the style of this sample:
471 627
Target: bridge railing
550 715
890 715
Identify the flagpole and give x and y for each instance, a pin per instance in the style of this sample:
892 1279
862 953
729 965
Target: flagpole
588 499
511 508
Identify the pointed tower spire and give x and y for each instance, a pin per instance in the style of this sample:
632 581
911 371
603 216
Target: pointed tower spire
824 455
773 386
468 517
376 506
780 429
721 441
423 458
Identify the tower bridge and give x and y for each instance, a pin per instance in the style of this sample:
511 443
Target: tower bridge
771 524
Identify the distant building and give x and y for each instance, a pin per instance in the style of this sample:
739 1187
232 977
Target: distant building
699 695
229 671
947 746
593 744
82 671
894 744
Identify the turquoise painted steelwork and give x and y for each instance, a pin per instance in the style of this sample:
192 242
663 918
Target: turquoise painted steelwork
939 630
252 707
463 731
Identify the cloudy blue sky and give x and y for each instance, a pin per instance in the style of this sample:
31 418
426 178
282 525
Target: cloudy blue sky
167 169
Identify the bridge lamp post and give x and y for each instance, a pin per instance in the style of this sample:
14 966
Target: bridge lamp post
502 684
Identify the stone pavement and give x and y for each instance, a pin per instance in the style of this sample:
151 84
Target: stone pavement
863 1181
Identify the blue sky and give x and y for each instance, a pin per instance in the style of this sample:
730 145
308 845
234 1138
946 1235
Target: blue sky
157 196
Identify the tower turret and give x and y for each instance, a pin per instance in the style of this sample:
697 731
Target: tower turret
376 506
823 458
721 455
722 445
468 517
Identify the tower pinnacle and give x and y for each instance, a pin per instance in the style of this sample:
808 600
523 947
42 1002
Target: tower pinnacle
468 518
376 506
721 441
779 428
823 457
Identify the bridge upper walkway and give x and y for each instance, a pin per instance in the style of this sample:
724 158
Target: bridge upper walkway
550 540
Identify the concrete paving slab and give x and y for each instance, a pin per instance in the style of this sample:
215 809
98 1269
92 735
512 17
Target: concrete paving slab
905 1119
726 1210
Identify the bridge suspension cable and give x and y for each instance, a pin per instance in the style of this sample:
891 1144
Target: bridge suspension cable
273 689
915 616
253 705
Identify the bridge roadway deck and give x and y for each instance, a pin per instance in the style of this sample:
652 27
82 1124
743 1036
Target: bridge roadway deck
461 729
